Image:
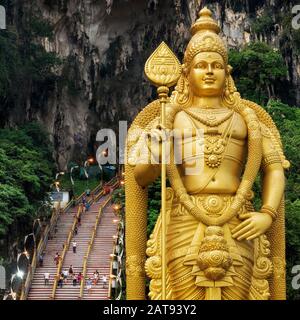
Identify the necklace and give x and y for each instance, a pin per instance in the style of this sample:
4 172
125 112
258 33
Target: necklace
215 147
213 151
215 144
210 120
209 110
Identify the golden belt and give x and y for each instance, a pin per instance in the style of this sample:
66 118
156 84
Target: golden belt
211 204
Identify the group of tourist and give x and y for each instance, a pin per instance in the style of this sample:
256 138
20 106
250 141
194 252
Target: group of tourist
96 278
69 273
76 279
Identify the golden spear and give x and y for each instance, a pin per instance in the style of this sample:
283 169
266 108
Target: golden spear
163 70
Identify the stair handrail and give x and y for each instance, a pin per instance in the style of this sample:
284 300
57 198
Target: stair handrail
65 250
38 251
113 182
99 187
90 246
111 264
120 257
111 270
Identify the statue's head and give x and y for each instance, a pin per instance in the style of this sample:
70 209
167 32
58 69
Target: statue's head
205 68
206 74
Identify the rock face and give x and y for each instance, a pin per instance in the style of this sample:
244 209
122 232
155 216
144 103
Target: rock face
104 45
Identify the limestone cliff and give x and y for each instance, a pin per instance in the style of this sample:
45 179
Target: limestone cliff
104 45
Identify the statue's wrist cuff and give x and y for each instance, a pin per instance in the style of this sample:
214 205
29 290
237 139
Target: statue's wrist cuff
270 211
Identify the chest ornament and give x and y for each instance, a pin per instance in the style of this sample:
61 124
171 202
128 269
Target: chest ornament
215 144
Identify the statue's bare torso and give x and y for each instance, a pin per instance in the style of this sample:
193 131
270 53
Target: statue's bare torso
227 175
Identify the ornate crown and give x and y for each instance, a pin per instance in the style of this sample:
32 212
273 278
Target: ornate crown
205 38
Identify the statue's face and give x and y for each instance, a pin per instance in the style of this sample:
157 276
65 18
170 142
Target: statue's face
207 74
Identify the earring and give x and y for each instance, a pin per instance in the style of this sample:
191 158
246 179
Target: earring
229 90
183 96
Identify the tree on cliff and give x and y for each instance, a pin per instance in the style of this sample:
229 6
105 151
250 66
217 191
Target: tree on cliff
26 171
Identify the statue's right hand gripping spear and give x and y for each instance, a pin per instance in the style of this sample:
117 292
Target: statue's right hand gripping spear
163 70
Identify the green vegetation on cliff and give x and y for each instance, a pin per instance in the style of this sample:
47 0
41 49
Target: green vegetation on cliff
258 71
26 172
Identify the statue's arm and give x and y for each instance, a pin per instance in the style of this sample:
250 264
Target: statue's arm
149 169
146 170
257 223
145 174
273 178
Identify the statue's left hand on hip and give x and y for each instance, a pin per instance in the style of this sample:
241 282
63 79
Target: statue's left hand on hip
254 225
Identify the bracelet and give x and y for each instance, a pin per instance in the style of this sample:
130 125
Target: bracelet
270 211
270 159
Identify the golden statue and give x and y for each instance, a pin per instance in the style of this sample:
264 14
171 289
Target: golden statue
217 246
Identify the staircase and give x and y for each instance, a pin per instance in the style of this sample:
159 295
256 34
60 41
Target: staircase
38 290
99 258
68 291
